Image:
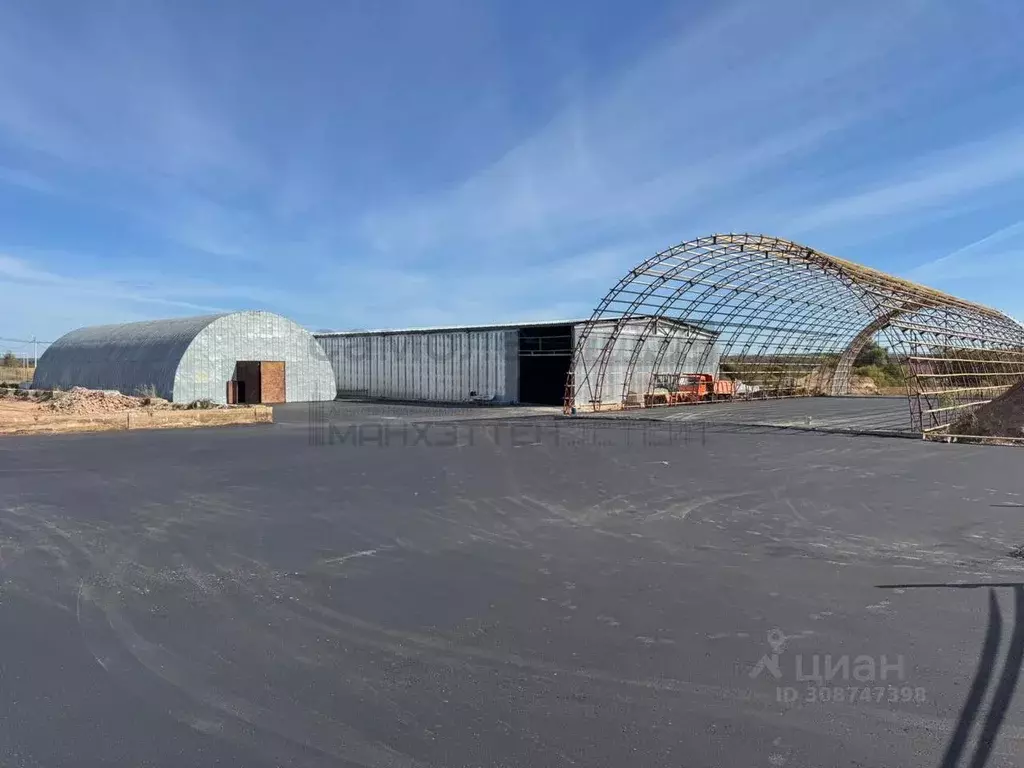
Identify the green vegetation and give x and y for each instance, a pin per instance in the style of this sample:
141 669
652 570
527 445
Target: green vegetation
872 354
884 376
875 363
810 373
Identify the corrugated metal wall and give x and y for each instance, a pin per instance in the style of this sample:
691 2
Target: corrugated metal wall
438 366
685 351
209 362
126 357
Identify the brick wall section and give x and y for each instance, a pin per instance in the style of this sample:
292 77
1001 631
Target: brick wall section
272 387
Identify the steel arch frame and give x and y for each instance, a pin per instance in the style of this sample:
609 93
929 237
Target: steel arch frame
790 320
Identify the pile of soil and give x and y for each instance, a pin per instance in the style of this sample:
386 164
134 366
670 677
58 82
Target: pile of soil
819 382
863 385
815 382
79 400
1003 417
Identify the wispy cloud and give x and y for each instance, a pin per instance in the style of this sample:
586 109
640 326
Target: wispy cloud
21 274
51 298
97 98
714 132
999 255
932 181
26 180
218 180
119 115
704 121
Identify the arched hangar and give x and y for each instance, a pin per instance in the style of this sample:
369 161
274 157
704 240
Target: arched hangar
788 321
239 357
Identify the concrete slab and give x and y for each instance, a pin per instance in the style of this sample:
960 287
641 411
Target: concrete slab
530 592
853 414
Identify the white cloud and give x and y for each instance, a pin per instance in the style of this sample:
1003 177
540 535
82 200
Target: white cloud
43 303
117 114
998 255
934 181
26 180
119 94
749 88
718 126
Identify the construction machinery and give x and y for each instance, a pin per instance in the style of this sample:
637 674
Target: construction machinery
678 388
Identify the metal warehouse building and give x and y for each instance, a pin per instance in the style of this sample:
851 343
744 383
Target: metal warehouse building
513 363
240 357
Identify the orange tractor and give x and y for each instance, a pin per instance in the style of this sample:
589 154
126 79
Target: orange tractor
677 388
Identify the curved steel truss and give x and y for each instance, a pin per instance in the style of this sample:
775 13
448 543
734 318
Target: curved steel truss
766 317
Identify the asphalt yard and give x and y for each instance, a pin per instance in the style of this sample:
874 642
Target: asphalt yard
490 591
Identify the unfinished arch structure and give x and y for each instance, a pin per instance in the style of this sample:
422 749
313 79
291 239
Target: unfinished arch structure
787 321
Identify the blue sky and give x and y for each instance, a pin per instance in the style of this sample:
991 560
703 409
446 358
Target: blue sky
369 164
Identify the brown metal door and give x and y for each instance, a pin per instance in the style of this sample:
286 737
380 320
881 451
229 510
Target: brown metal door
272 382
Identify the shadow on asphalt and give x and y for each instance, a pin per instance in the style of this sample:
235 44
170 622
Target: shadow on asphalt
1008 679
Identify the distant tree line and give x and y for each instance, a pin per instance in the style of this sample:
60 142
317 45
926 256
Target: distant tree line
11 360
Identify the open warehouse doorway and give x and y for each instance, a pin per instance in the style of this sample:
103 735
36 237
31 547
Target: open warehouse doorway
545 355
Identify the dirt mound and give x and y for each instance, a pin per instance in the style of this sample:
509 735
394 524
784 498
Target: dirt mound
820 382
79 400
1003 417
863 385
815 382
